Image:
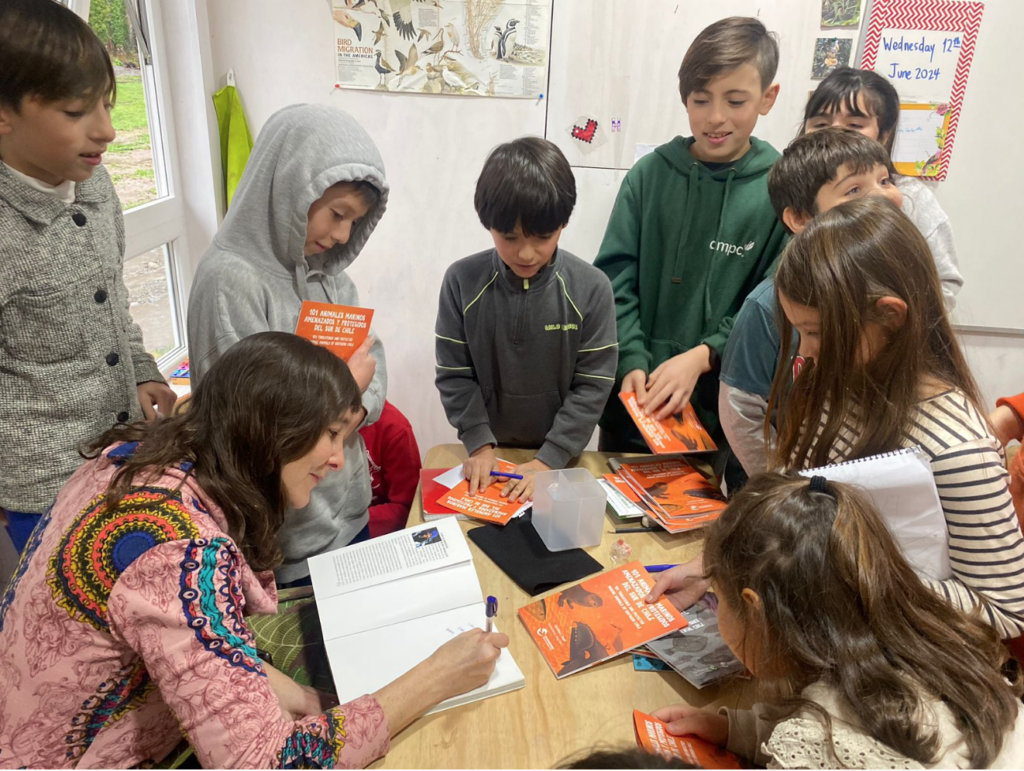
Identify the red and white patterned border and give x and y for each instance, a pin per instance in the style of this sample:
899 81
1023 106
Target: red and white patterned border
938 15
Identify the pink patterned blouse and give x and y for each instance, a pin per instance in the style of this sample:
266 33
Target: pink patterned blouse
119 633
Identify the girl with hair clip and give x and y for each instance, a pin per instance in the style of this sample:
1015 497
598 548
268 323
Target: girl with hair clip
124 627
884 372
859 664
865 102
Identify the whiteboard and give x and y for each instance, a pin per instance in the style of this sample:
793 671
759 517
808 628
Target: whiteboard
619 60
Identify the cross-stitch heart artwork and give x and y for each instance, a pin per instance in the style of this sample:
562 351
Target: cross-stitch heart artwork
588 132
585 133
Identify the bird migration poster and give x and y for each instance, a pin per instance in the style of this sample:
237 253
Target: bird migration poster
457 47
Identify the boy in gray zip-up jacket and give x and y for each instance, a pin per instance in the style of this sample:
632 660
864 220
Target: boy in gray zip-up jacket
72 361
525 336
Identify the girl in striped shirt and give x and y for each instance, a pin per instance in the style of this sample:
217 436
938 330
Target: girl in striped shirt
886 372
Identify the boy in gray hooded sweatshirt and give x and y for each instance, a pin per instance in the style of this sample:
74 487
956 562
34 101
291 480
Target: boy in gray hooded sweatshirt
313 191
525 338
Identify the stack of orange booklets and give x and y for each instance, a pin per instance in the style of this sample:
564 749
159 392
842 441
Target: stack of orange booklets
653 736
487 506
599 618
678 496
675 435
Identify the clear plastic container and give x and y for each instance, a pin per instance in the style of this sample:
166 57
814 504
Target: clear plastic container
568 509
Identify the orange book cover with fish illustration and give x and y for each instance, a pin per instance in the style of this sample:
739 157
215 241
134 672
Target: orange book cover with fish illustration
619 484
597 619
679 496
676 434
487 506
652 734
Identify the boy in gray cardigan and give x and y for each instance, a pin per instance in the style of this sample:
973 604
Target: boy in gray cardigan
72 361
525 337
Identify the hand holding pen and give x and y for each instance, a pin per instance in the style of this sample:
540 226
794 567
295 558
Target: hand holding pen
492 611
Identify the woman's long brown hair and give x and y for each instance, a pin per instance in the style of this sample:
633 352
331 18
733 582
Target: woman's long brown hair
265 403
841 606
841 265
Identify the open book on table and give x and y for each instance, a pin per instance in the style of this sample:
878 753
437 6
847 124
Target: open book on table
388 603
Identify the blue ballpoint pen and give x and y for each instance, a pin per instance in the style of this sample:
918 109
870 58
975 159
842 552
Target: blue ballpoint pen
492 611
503 474
658 568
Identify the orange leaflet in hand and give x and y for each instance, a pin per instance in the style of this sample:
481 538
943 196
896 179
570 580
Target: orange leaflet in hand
681 433
341 328
652 734
488 506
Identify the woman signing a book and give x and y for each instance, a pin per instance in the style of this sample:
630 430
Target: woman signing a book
124 625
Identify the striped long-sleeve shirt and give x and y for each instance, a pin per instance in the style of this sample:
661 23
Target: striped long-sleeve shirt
986 547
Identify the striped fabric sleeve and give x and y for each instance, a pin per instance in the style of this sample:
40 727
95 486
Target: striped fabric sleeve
986 548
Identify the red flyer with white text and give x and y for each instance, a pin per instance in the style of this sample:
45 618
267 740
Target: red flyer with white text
487 506
652 734
676 434
340 328
599 618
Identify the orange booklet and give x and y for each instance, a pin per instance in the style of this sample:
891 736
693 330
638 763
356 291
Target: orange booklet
680 433
338 327
488 506
619 484
679 496
652 734
597 619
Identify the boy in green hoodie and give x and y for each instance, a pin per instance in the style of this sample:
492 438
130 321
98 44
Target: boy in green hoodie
692 232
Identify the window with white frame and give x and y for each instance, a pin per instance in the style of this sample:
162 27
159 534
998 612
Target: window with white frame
143 165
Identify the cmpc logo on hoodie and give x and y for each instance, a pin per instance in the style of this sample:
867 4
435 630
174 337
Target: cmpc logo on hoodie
722 246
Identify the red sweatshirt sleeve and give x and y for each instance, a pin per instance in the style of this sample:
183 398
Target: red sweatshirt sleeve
399 459
1015 403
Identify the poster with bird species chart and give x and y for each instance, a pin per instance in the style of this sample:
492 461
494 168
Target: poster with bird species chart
453 47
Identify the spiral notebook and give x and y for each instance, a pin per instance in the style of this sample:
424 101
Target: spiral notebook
901 486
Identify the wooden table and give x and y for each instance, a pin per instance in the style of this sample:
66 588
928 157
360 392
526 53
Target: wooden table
539 726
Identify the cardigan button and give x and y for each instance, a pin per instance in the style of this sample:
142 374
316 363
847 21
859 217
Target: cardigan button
79 219
100 296
113 359
122 417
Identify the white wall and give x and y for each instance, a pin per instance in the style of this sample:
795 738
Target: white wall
433 148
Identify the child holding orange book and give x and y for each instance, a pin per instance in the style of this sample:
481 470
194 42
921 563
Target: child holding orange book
312 193
525 333
867 667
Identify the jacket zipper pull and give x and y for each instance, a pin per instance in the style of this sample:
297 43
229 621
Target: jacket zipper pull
526 283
